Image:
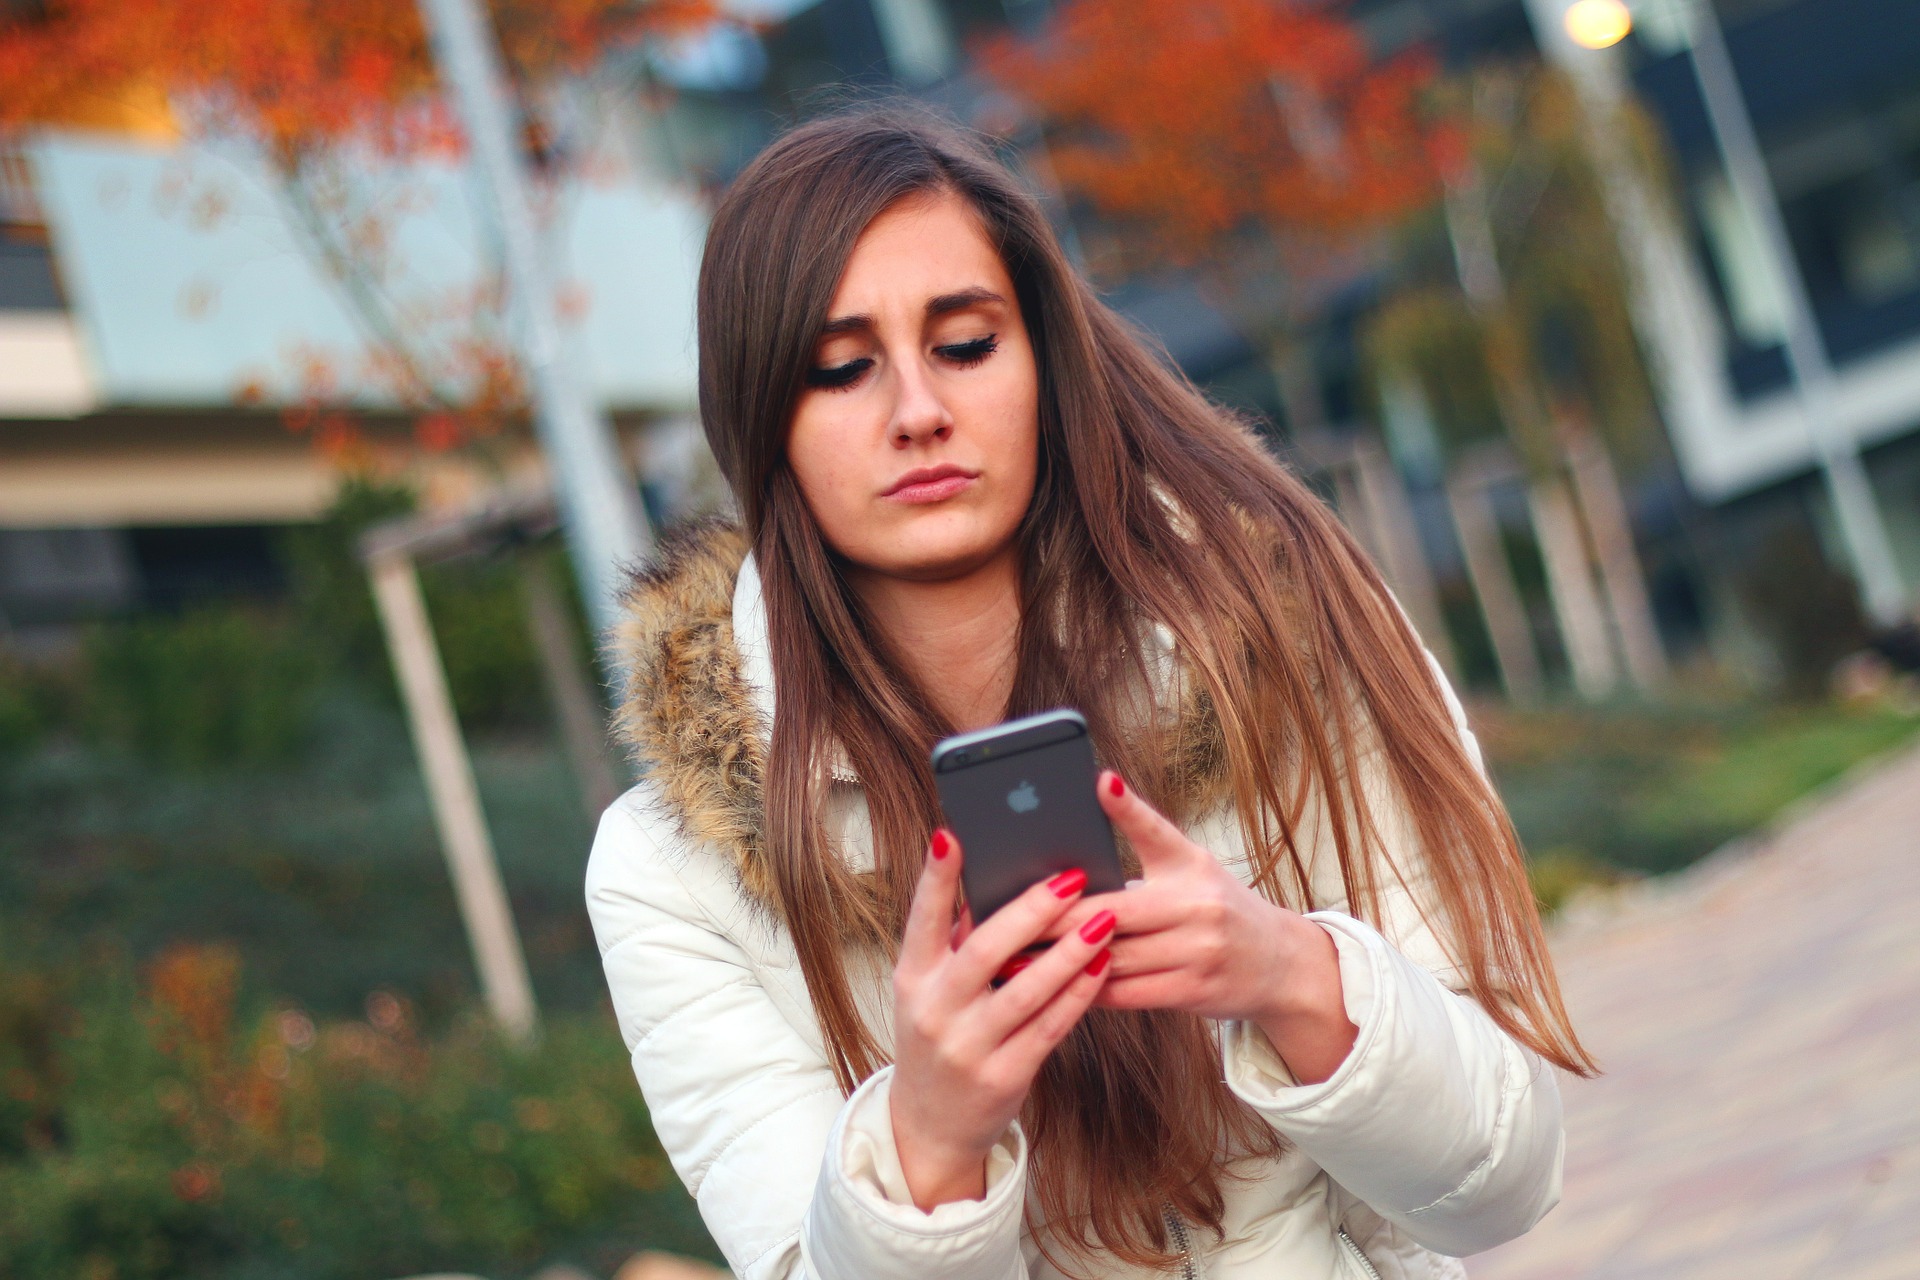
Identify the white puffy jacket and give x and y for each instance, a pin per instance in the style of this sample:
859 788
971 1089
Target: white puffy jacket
1439 1136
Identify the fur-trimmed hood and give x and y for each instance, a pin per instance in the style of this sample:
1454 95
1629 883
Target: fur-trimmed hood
689 716
696 713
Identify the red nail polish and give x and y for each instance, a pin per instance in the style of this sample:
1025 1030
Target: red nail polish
1067 883
1012 967
1098 965
1117 787
942 844
1097 929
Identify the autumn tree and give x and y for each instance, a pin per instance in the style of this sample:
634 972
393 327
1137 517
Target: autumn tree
1508 312
334 98
1258 142
1261 143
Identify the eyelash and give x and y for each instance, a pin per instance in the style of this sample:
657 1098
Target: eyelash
964 355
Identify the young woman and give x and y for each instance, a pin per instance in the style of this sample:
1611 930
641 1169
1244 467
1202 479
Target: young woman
1307 1040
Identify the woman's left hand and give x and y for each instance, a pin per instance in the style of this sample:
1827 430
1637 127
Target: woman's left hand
1192 937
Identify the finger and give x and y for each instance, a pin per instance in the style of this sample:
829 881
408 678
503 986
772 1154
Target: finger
930 917
1161 845
1037 983
1028 1047
1014 926
1147 909
1161 951
1167 989
962 926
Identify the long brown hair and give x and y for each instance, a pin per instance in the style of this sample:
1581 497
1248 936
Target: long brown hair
1151 506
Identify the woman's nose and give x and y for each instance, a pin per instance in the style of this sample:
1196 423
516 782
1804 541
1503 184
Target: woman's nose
920 416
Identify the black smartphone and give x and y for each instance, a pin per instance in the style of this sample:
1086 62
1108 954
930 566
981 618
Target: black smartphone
1020 797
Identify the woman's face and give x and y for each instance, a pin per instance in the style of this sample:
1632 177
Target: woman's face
916 437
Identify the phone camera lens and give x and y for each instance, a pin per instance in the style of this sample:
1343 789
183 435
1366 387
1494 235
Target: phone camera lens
961 758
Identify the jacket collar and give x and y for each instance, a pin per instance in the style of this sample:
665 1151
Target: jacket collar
755 651
750 641
696 713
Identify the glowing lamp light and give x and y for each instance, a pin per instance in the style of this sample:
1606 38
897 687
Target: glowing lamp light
1598 24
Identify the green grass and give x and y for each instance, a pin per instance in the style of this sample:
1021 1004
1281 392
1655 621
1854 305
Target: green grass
322 879
326 872
1635 789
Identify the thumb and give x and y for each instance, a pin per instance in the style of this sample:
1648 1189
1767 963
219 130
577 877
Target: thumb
1160 845
930 916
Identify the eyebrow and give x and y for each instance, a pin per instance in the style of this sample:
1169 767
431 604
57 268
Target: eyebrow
939 305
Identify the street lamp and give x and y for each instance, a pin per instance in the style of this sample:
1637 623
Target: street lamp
1568 33
1598 24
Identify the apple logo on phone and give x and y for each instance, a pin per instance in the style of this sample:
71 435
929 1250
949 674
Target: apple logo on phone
1023 798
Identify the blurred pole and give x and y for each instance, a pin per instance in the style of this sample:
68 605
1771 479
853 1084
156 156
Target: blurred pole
1861 527
1570 586
1556 524
1396 535
484 908
1492 577
600 509
569 685
1623 579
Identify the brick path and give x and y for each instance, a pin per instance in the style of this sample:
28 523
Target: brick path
1759 1022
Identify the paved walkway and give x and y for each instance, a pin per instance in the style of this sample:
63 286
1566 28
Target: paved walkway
1759 1022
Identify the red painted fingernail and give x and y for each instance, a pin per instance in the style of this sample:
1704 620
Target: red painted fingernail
1098 965
1067 883
1097 929
1012 967
942 844
1117 787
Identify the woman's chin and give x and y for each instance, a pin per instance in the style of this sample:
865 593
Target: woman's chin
938 559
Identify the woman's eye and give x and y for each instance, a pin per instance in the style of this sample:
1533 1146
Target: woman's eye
840 375
971 353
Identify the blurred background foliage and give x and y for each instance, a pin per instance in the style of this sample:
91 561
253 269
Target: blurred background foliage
1603 794
238 1027
157 1122
239 1030
238 1024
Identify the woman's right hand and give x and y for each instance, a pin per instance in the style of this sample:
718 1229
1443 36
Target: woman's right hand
966 1053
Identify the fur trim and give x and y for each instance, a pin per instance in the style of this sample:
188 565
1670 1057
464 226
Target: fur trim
689 720
688 716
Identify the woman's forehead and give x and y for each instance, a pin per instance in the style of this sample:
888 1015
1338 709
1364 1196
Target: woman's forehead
915 251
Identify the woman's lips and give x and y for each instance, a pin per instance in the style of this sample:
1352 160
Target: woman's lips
935 485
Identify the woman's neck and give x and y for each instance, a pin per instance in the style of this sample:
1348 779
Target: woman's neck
957 637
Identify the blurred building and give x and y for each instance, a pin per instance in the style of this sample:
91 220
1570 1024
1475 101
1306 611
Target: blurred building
161 309
125 329
1833 87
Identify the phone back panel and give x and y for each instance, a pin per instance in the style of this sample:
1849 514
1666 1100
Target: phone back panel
1023 818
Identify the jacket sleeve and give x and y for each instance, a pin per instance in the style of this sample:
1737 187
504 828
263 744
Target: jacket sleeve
794 1181
1437 1120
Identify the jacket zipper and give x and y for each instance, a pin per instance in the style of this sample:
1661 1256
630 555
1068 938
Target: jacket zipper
1178 1230
1358 1256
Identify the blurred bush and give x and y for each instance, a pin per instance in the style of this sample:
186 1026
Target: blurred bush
479 618
480 621
1649 788
1558 874
217 685
22 718
328 592
150 1128
1807 610
238 683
